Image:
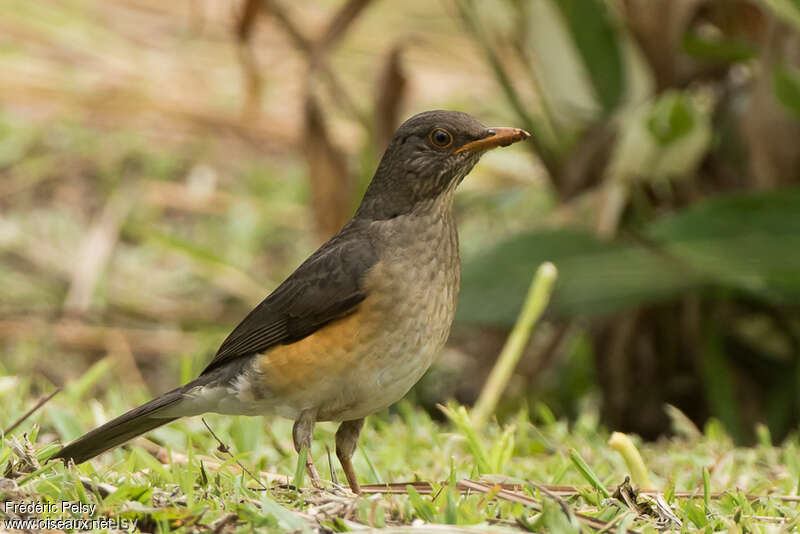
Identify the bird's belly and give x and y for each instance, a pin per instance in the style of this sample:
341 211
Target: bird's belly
383 375
348 379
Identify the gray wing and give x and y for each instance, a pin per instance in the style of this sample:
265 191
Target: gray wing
326 286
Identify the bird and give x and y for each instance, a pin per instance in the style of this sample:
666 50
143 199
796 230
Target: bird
358 323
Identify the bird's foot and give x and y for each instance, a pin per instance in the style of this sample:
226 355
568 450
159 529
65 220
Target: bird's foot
351 476
311 469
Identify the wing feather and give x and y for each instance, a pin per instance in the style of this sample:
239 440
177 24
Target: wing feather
328 285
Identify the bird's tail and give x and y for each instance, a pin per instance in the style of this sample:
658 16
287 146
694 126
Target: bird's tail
125 427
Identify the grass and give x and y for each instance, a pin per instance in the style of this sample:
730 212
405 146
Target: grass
533 472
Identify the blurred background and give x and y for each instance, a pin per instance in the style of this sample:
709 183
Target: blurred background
164 165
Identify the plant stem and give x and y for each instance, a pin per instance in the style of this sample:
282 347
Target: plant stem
624 446
535 303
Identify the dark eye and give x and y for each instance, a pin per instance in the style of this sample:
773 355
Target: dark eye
441 138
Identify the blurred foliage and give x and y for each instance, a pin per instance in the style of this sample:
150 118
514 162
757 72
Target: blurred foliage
670 135
734 243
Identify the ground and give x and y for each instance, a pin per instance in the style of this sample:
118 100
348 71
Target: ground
532 472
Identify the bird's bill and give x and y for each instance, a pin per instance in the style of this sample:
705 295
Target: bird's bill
495 137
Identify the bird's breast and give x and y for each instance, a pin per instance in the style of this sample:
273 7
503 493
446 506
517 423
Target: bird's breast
416 283
412 296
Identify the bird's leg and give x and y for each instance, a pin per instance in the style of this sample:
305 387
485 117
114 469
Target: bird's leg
346 440
302 432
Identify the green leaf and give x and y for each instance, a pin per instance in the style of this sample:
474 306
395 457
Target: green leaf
588 473
246 433
300 470
671 118
501 451
595 35
459 416
718 48
75 390
129 492
255 518
555 520
595 277
746 242
788 10
786 83
376 478
669 491
286 518
719 384
695 513
780 402
451 506
423 509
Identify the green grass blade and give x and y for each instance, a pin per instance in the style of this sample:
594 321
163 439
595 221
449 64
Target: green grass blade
300 470
587 472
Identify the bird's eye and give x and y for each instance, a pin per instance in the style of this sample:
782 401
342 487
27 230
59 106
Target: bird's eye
441 138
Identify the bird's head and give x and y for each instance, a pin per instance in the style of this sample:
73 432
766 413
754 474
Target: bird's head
428 157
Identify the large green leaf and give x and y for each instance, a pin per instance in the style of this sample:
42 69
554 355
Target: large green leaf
745 241
594 277
742 243
786 83
595 35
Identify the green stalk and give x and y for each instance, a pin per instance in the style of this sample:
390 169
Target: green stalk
535 303
624 446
